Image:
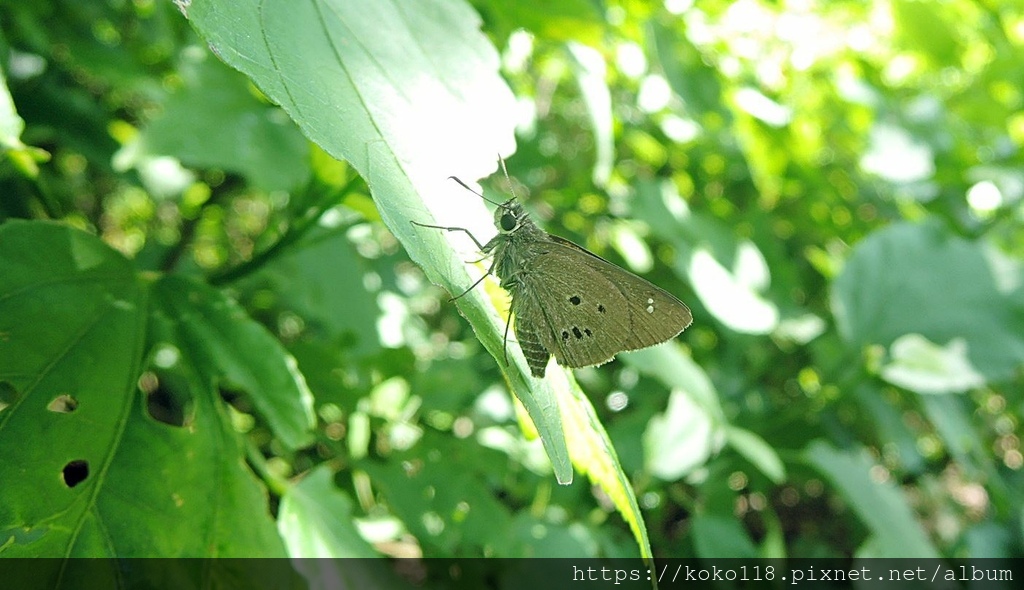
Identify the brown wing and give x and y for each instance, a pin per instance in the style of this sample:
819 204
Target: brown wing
584 310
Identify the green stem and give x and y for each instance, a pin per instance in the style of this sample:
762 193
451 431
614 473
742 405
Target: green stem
188 232
296 232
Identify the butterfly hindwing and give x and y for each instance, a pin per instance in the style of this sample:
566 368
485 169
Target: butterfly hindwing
530 336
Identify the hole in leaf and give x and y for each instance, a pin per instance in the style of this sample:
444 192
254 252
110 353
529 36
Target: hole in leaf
166 401
63 404
75 472
244 418
237 399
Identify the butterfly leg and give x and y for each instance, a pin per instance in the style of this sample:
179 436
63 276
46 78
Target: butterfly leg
504 341
461 229
478 281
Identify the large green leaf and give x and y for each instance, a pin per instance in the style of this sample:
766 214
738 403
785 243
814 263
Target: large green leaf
406 116
72 315
87 471
918 278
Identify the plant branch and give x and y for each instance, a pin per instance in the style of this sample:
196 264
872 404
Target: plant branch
294 233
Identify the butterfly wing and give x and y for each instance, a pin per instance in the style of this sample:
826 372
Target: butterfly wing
531 340
584 310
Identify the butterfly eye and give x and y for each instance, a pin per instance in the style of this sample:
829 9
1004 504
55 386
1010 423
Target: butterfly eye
508 222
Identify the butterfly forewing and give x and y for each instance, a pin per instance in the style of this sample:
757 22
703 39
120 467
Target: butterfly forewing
588 310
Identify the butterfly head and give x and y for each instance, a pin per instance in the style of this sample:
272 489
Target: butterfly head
510 216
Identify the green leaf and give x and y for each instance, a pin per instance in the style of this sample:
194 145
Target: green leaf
691 78
435 488
925 367
347 73
882 507
681 439
72 315
593 454
316 520
590 71
757 451
540 538
230 347
693 426
101 477
921 26
321 279
730 276
11 128
672 367
558 20
920 279
717 536
216 121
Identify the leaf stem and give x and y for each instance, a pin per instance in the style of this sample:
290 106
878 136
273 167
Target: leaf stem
298 229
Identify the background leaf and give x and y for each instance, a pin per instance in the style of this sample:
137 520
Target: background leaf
880 505
888 285
216 121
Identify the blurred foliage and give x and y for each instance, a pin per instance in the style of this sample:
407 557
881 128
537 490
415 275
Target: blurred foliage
835 188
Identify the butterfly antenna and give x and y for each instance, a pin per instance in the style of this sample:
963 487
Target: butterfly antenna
466 186
511 189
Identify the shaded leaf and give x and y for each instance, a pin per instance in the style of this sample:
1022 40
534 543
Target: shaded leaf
102 477
718 536
882 507
919 279
230 348
316 520
756 450
216 121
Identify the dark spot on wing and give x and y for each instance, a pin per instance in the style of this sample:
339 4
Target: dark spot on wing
565 335
587 332
600 308
575 300
576 332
